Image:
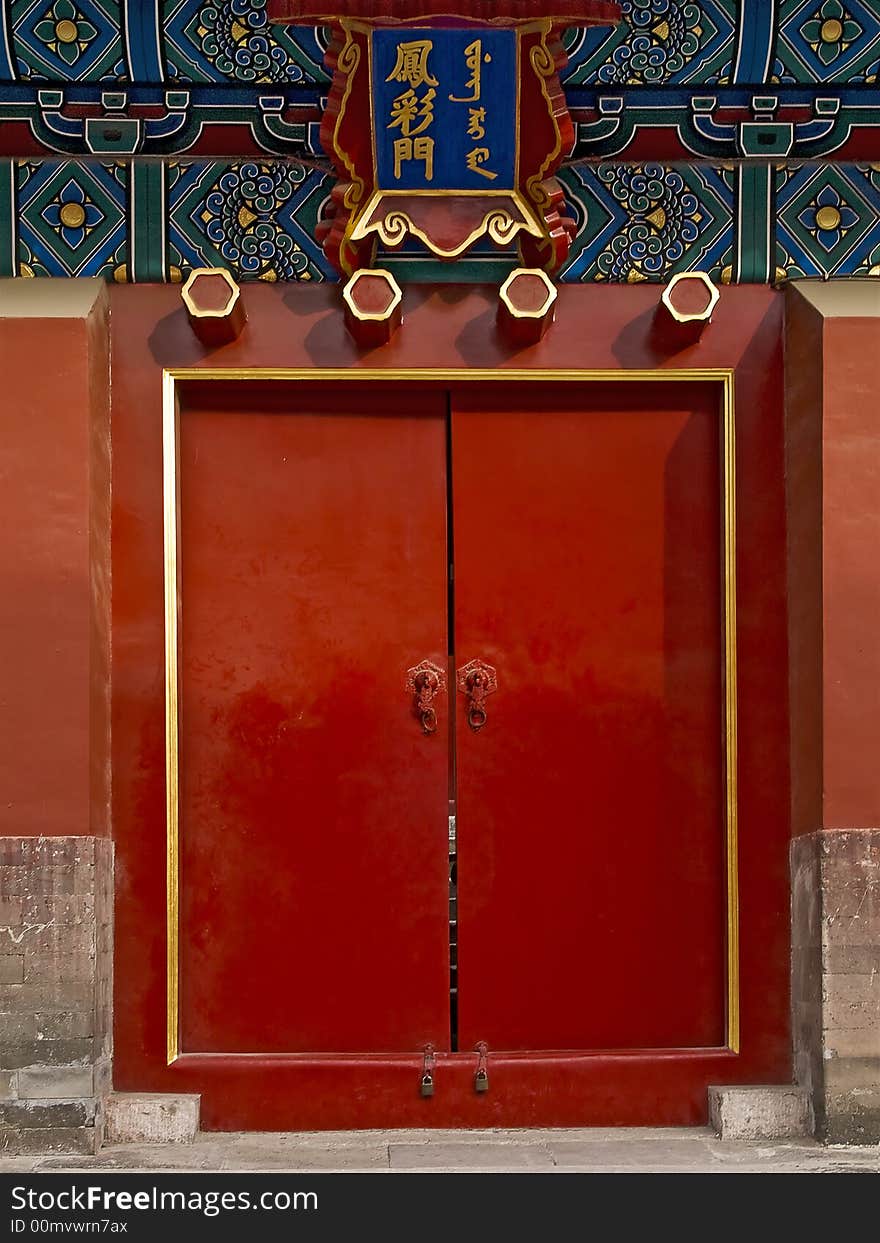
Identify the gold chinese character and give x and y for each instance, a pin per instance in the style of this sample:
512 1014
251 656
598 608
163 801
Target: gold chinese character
412 64
474 59
479 156
412 114
476 129
422 149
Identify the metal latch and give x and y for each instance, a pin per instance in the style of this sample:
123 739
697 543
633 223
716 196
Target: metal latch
426 1087
481 1077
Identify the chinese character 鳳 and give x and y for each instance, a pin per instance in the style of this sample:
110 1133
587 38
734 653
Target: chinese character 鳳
412 64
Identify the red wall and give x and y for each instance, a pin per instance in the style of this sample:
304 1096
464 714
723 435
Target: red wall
54 559
803 481
851 572
833 501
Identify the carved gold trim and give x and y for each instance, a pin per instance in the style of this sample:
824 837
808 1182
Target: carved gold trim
728 431
393 227
339 375
348 61
171 494
544 66
501 231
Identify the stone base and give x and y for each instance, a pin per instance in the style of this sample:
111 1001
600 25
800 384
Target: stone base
56 904
760 1112
836 980
36 1141
146 1118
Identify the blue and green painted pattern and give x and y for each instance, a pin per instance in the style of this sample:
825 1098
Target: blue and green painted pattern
141 221
752 95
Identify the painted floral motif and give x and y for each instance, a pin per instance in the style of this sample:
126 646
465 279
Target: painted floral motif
65 31
828 217
827 41
71 218
241 217
830 31
827 220
72 214
634 223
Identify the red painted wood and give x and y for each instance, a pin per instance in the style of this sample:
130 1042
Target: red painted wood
313 575
445 327
591 804
631 1089
505 12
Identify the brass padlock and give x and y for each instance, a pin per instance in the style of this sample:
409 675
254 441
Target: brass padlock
481 1080
427 1084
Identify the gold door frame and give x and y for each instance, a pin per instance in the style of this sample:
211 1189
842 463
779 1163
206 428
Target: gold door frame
448 376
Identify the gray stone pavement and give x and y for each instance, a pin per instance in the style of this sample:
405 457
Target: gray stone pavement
618 1150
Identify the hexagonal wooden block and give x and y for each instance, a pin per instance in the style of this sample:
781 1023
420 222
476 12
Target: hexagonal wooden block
372 300
214 306
526 305
685 308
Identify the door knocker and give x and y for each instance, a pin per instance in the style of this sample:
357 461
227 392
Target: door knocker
478 681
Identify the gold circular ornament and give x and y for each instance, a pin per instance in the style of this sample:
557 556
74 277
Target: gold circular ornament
66 32
73 215
828 218
831 31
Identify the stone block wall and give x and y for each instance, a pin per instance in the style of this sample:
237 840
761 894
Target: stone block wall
836 980
56 945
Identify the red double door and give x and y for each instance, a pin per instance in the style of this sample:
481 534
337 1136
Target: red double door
570 538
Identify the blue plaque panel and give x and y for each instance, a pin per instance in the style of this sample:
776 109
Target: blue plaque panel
444 109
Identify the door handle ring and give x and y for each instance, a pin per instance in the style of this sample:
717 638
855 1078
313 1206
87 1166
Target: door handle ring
424 681
478 681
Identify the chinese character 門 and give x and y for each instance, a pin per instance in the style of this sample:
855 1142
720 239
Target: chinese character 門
421 149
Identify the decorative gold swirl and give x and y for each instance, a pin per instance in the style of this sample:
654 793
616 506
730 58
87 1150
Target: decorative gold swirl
395 225
393 228
501 227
